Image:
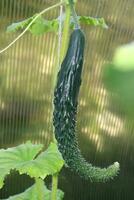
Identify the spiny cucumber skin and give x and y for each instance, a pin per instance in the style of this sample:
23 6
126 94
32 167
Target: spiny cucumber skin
65 110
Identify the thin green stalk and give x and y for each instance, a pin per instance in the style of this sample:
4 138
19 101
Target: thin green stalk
42 12
76 21
39 185
64 42
54 187
64 46
65 35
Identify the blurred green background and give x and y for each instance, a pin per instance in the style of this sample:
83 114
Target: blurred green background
27 70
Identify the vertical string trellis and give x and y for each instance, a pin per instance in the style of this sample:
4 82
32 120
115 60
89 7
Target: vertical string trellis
58 63
55 176
60 34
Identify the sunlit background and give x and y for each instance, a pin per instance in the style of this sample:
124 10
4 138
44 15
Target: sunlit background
27 71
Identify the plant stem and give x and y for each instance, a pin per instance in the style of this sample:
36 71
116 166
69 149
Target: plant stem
63 50
64 42
42 12
74 16
54 187
65 35
39 185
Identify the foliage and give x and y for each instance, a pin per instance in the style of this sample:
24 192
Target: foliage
41 25
93 21
118 77
124 57
27 159
32 193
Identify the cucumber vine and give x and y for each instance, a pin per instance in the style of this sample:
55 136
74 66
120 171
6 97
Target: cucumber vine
71 67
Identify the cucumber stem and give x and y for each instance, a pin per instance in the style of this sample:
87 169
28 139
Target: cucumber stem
54 186
65 35
64 45
64 42
76 21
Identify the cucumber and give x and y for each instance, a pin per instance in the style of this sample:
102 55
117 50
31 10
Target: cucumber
65 112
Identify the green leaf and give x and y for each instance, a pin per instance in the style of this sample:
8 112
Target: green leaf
124 57
11 158
19 25
92 21
47 163
118 77
100 22
24 159
39 26
32 193
4 172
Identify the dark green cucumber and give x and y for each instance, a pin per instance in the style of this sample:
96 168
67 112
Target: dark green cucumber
65 110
